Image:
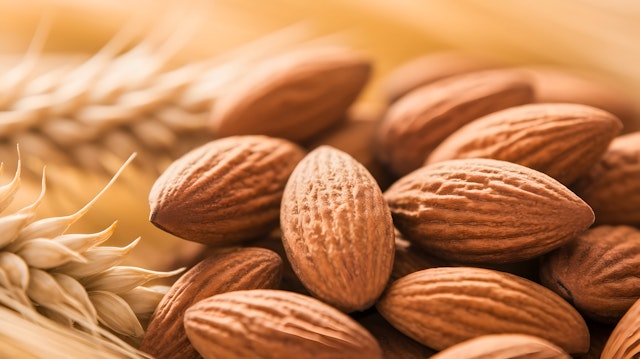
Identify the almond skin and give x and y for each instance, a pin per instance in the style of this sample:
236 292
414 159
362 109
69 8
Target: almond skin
624 341
293 96
441 307
611 187
235 269
226 191
598 272
337 230
273 324
483 210
423 118
561 140
504 346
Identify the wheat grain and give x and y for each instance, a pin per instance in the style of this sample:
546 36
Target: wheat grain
71 279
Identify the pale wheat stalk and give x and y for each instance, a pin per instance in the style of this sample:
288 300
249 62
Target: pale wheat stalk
70 279
93 114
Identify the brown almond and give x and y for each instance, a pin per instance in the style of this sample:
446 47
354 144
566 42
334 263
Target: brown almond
235 269
598 272
561 140
337 229
504 346
428 68
612 185
624 341
483 210
273 324
226 191
441 307
294 96
423 118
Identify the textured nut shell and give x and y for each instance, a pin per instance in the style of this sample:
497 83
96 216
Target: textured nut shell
624 341
337 229
561 140
504 346
394 344
598 272
483 210
564 85
225 191
429 68
275 324
612 186
441 307
293 96
422 119
239 269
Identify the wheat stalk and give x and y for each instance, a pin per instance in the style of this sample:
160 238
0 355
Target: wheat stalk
71 279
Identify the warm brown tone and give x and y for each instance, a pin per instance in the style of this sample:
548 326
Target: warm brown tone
410 258
294 96
504 346
275 324
612 186
423 118
598 272
561 140
624 342
226 191
234 269
337 230
441 307
483 210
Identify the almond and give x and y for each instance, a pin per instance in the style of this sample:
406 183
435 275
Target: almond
484 210
561 140
598 272
441 307
624 341
503 346
236 269
275 324
294 96
612 185
226 191
337 229
423 118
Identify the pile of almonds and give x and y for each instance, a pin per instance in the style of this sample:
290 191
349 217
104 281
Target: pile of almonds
482 213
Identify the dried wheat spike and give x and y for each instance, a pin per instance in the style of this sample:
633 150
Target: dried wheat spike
93 113
68 277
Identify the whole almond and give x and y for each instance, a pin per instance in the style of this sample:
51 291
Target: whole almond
294 96
441 307
504 346
561 140
598 272
624 341
275 324
337 229
235 269
612 185
417 123
484 210
226 191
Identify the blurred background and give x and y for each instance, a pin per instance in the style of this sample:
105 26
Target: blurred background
45 40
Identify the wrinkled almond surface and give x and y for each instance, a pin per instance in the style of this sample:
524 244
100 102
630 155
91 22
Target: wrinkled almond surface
237 269
624 341
561 140
225 191
293 96
504 346
484 210
598 272
337 229
423 118
275 324
441 307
